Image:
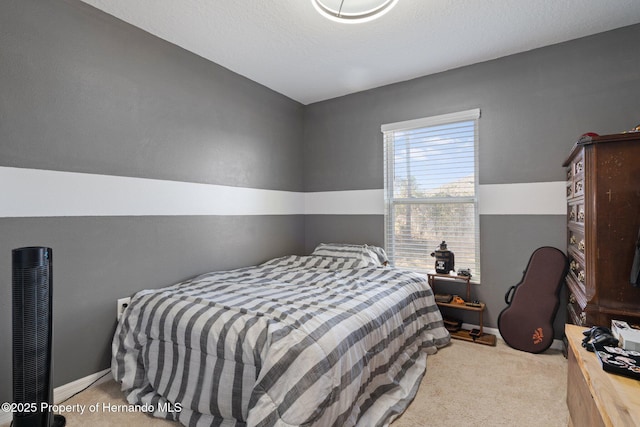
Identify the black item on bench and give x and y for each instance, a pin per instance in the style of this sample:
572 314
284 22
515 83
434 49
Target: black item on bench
598 336
527 323
619 361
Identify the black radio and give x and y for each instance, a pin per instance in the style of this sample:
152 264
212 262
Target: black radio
444 259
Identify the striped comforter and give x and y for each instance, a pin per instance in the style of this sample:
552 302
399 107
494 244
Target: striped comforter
298 340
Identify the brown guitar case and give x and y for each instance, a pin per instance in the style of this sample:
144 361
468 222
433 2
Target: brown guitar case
527 323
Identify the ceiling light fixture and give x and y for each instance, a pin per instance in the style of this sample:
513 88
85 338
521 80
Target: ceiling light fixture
353 11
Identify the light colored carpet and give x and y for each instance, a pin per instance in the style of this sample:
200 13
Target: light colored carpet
469 384
466 384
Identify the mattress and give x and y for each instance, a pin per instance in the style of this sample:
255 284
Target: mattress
296 341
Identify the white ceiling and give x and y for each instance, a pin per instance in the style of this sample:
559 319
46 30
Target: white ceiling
287 46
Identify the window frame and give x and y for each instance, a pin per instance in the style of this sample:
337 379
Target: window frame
389 164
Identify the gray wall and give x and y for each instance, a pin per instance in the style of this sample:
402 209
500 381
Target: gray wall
81 91
85 92
534 106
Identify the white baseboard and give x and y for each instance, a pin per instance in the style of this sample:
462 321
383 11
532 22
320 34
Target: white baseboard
67 390
556 345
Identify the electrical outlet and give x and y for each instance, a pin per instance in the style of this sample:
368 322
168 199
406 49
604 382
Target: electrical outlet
122 304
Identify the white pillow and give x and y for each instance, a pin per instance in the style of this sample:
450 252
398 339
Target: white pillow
372 255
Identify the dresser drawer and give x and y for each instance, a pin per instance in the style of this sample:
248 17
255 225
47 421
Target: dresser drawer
578 187
576 167
577 289
577 271
576 242
576 212
578 164
577 315
575 176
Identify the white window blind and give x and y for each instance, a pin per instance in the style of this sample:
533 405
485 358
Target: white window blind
431 190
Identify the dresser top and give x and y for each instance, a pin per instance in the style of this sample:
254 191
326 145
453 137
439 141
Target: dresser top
590 140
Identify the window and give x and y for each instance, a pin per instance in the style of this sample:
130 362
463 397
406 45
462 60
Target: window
431 190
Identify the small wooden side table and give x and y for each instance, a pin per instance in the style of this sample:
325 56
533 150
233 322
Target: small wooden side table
463 334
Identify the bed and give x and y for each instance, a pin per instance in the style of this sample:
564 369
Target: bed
335 338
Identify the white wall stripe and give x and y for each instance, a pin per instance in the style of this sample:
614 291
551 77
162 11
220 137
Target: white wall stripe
45 193
351 202
535 198
36 193
531 198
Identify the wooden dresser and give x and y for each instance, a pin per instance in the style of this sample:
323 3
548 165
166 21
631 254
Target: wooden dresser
603 217
595 397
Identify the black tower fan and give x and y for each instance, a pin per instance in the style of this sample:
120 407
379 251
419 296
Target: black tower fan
32 332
